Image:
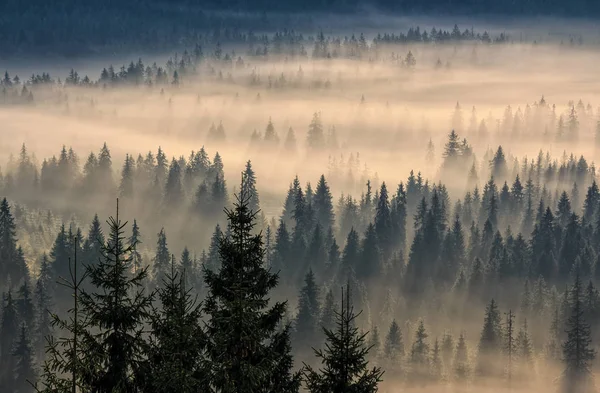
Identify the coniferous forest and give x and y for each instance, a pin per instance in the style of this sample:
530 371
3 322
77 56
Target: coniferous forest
291 209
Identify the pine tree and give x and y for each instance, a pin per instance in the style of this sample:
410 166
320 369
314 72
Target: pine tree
24 371
175 358
245 350
577 351
115 312
344 359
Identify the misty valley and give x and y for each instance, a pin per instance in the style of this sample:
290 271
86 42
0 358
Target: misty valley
263 205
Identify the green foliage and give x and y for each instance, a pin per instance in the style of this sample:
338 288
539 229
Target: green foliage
344 359
245 350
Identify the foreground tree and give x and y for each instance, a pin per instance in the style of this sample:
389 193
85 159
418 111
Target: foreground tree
175 362
115 312
247 348
344 359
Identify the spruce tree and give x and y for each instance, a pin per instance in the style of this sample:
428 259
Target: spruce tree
43 305
65 360
9 331
8 244
25 307
135 241
250 185
327 320
305 327
115 311
24 371
461 360
436 362
490 342
246 350
393 350
323 204
344 359
92 246
419 356
162 258
375 344
578 353
175 357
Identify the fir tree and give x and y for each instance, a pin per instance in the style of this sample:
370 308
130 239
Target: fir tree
344 359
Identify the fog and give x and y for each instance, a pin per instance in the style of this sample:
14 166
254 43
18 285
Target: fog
382 117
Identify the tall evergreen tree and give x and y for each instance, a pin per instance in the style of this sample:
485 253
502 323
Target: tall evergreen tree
419 355
24 371
250 184
245 350
393 349
323 204
162 258
577 351
307 320
9 331
115 311
175 358
344 359
490 342
8 245
461 360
